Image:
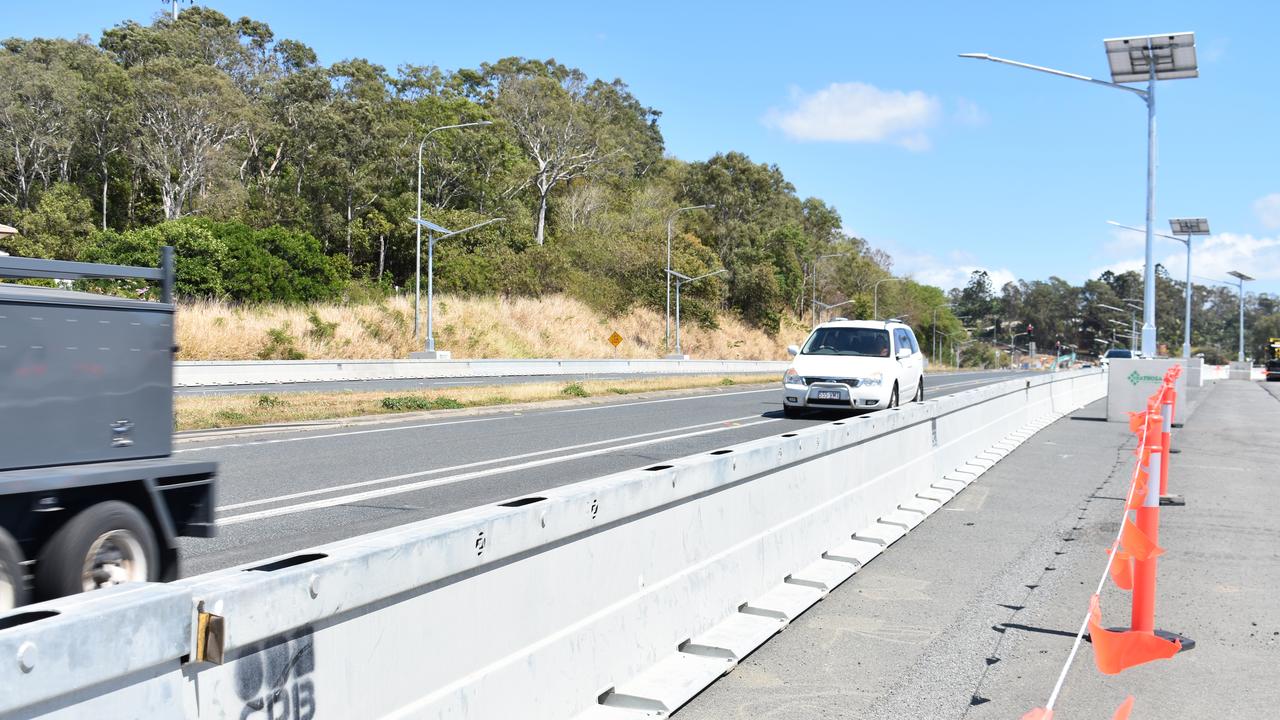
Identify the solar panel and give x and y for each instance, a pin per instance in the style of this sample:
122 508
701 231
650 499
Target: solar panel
432 226
1131 58
1189 226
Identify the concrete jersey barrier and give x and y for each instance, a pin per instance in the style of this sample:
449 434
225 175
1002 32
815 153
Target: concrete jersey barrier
618 597
269 372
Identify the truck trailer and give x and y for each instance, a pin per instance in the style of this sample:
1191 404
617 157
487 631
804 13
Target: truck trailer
90 495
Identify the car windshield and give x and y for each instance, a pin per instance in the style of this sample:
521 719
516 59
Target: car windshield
856 341
1119 354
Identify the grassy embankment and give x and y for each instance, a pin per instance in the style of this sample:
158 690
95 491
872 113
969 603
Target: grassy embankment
492 327
487 327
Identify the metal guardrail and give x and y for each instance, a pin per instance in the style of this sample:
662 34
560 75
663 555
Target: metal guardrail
618 597
263 372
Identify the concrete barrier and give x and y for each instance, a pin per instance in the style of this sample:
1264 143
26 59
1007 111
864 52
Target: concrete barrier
619 597
270 372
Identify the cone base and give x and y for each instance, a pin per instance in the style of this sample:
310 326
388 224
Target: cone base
1172 501
1187 643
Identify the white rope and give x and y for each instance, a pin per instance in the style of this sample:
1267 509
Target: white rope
1111 556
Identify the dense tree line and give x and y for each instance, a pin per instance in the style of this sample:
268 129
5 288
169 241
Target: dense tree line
259 161
1080 317
281 179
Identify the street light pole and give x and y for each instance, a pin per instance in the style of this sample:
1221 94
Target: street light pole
1241 277
935 325
1135 59
813 297
432 239
875 297
417 271
681 281
671 220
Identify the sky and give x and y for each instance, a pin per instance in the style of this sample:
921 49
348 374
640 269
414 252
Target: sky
948 164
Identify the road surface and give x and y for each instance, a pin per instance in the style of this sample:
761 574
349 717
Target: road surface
284 492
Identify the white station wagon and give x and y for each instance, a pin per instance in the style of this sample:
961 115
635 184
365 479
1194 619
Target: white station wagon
854 365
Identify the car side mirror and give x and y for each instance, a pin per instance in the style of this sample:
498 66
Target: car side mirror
904 353
793 350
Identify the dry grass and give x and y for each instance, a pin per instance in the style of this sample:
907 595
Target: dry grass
197 412
488 327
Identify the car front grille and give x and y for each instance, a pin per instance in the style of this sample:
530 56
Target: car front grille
851 382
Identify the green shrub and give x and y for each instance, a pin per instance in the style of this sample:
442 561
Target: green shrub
727 381
404 403
407 403
269 401
280 346
575 390
320 330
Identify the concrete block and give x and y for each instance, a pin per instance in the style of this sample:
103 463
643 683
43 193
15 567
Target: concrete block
740 633
670 683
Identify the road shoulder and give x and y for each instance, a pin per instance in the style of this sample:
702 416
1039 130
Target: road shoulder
972 614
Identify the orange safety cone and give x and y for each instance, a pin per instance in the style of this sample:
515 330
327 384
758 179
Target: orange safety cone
1117 650
1167 410
1039 714
1144 570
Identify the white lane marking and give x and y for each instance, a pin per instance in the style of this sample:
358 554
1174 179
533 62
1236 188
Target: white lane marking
455 422
477 463
339 434
667 400
400 489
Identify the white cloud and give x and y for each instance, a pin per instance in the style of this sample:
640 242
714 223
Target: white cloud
859 113
950 273
1267 208
1213 258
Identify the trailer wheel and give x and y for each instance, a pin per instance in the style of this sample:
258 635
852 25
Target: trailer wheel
106 544
13 591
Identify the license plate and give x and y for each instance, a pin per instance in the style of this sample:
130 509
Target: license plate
828 394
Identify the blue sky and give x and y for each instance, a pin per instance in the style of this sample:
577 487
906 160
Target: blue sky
948 164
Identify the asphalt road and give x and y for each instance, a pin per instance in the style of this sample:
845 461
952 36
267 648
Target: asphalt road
415 383
284 492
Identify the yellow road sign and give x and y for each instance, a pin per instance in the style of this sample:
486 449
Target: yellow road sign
616 339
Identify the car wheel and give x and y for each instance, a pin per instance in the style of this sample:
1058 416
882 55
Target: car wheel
106 544
13 591
893 396
920 390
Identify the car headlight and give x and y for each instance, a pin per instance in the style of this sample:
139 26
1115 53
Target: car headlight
876 379
791 377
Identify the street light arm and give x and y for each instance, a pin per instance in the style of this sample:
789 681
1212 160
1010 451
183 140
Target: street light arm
1060 73
1184 241
469 229
718 272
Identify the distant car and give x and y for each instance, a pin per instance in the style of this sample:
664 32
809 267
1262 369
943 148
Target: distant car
854 365
1114 353
1273 370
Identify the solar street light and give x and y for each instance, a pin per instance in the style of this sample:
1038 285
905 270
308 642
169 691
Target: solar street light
1242 278
1148 58
681 281
435 234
